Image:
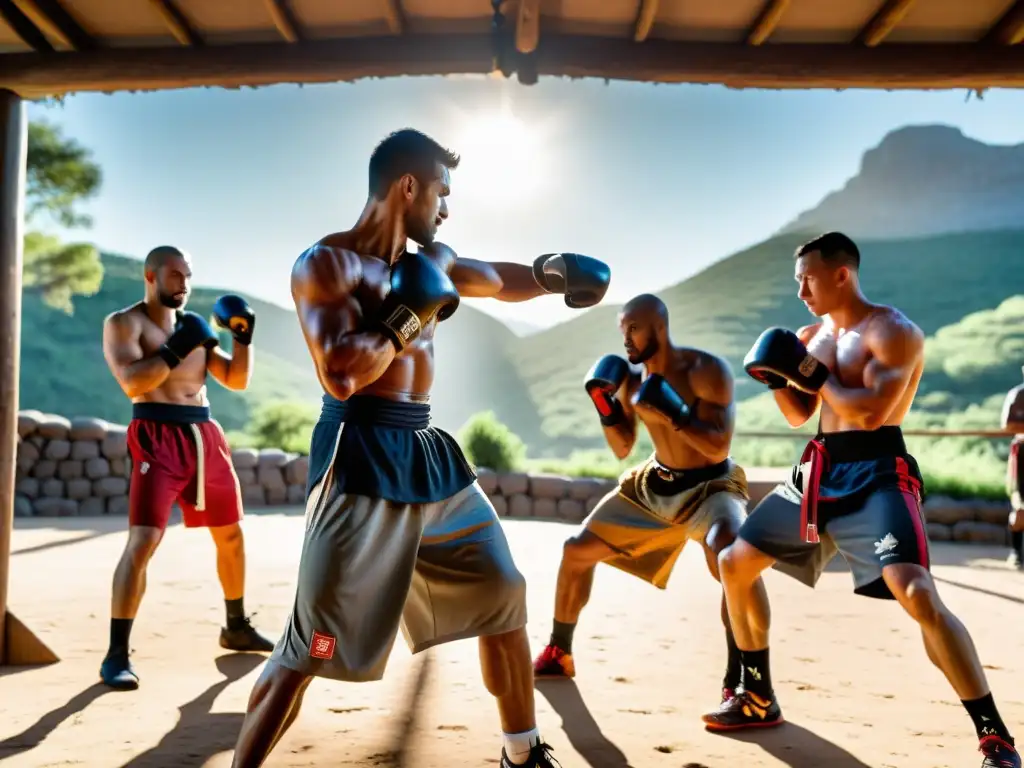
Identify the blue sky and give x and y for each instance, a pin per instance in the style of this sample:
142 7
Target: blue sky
659 181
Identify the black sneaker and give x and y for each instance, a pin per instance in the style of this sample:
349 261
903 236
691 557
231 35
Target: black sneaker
744 710
243 636
117 672
540 757
998 753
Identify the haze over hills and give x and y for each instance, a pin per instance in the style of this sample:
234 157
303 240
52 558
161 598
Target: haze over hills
919 183
925 180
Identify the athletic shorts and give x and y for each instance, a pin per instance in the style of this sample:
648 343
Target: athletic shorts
860 492
655 510
380 555
179 454
1014 475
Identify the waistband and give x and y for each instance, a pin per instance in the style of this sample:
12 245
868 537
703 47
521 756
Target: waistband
371 410
171 413
862 445
690 476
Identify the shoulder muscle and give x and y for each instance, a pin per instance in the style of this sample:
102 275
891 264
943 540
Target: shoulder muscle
326 275
895 340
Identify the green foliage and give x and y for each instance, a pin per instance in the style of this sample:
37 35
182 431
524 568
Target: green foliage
489 443
60 175
287 425
58 271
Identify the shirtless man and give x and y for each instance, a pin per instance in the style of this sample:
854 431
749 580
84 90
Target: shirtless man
688 489
160 355
1013 422
856 489
398 531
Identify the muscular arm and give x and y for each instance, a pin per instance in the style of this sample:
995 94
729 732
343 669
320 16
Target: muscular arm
122 349
1012 419
622 437
797 406
711 424
347 357
896 349
499 280
234 371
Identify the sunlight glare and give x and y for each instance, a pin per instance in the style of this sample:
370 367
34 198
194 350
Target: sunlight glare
500 157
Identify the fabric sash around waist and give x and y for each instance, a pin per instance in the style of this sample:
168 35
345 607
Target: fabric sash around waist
838 465
665 481
171 413
386 450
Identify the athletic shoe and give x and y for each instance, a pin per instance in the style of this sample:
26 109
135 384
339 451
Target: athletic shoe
117 672
998 753
244 637
554 662
744 710
540 757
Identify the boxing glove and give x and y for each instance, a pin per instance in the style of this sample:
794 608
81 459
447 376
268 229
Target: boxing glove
583 280
190 331
233 314
420 291
779 353
656 394
602 382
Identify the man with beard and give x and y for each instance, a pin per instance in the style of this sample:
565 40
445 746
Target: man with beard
689 489
398 532
160 355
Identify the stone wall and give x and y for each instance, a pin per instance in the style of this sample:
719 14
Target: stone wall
81 467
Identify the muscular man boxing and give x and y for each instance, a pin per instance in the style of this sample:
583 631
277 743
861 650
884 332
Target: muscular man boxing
161 355
689 489
1013 421
398 532
856 490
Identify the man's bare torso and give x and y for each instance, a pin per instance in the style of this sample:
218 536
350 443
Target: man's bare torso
410 376
670 448
186 384
848 356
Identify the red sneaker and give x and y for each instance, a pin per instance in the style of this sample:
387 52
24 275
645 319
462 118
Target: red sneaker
554 662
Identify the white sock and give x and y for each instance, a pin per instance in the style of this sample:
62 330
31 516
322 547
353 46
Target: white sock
518 745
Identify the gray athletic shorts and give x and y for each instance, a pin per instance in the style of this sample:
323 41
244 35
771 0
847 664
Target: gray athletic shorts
441 571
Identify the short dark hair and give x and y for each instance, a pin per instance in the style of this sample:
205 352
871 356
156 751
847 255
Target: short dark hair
406 151
835 248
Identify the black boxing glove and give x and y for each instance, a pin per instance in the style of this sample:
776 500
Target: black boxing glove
779 353
602 382
583 280
420 291
233 314
190 331
656 394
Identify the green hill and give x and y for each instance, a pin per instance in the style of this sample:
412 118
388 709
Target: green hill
937 281
63 370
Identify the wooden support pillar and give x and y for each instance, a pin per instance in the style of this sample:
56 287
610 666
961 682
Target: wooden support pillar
18 646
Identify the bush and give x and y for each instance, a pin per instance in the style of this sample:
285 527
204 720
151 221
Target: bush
489 443
284 425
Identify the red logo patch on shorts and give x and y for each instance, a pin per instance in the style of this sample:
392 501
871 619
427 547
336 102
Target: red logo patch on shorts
322 646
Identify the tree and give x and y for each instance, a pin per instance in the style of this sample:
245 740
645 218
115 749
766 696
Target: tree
489 443
60 175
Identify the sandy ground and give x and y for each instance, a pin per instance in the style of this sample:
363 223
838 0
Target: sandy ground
851 674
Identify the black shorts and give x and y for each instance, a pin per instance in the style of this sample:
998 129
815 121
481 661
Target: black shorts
868 508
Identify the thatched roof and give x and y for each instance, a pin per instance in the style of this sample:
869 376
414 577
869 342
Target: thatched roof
56 46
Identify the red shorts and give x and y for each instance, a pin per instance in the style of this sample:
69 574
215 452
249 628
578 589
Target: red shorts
179 454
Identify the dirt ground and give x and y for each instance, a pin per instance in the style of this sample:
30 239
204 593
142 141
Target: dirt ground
852 676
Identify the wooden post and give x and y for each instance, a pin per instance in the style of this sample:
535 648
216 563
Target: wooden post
18 646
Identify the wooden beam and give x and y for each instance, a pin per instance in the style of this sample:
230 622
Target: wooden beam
50 17
23 27
18 646
888 67
883 22
766 22
645 15
177 22
395 15
528 26
284 19
1009 29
